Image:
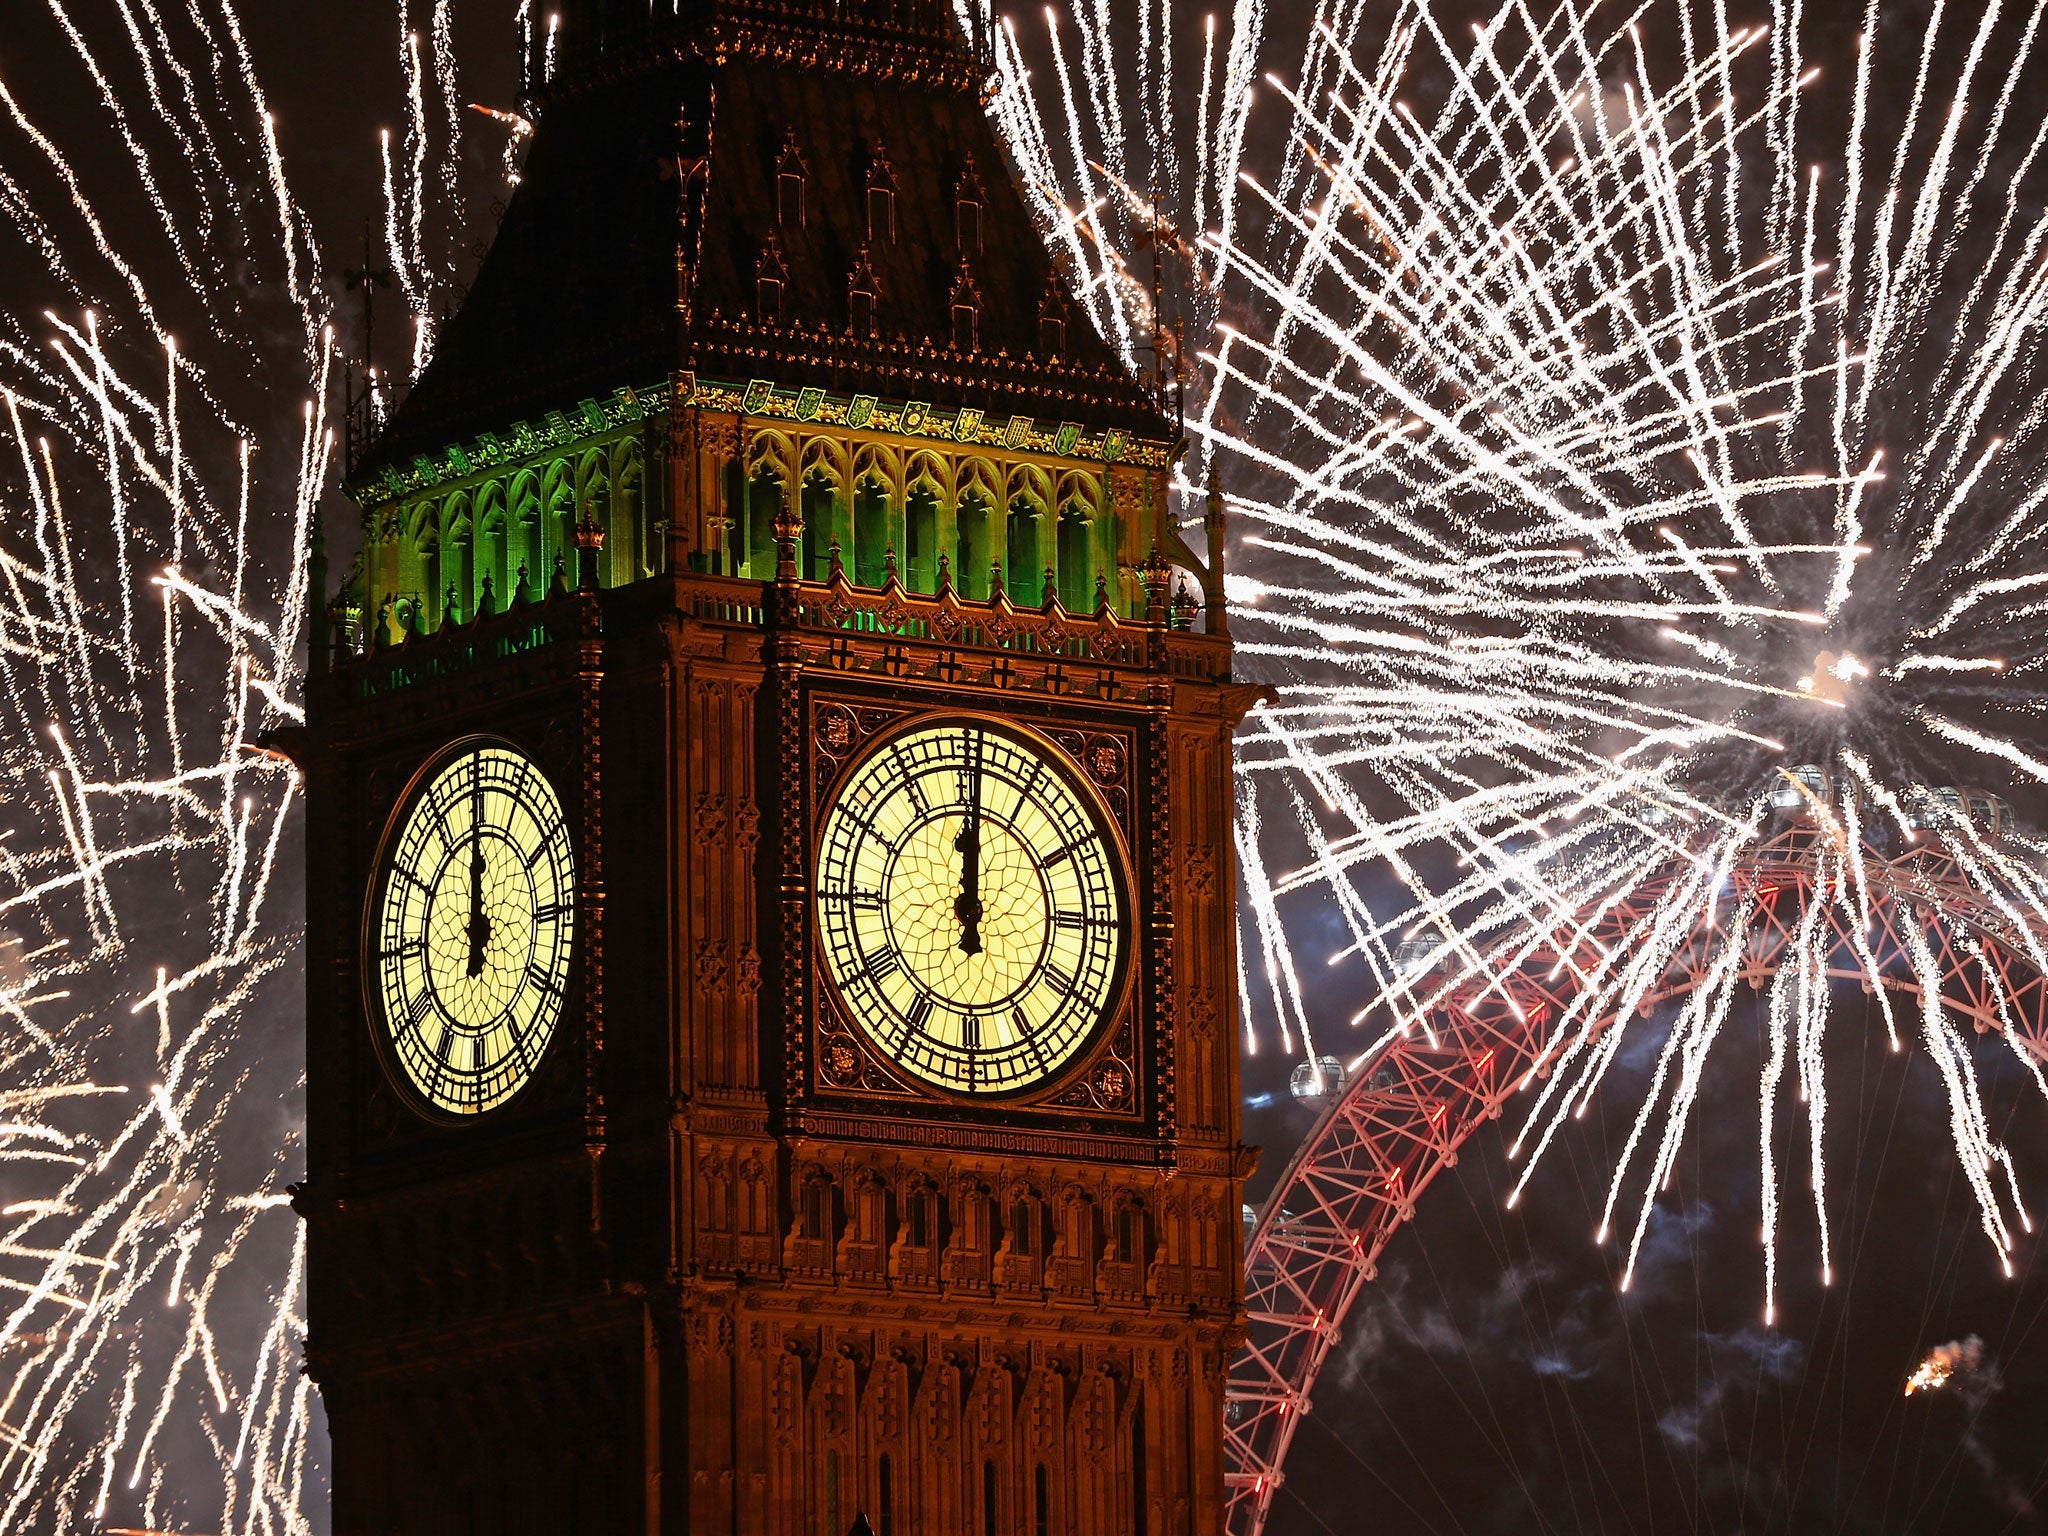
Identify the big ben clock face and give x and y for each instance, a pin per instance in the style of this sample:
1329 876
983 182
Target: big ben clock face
470 928
971 906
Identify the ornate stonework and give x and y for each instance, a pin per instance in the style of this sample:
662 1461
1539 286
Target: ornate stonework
722 1266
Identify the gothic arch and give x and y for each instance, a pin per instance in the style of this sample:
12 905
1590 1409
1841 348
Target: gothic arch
773 451
928 469
524 505
558 516
880 463
492 544
978 474
421 519
593 481
827 456
825 504
629 542
458 566
1029 482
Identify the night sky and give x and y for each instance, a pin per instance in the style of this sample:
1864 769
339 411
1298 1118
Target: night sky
1494 1380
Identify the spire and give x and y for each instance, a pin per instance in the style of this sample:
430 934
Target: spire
602 39
1213 524
707 180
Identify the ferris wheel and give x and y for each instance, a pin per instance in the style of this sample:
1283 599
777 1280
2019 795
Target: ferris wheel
1392 1124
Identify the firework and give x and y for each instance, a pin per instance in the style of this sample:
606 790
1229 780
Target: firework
1639 487
158 501
1633 494
150 600
1636 477
1945 1362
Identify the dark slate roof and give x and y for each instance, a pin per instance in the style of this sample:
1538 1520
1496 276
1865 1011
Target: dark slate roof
579 294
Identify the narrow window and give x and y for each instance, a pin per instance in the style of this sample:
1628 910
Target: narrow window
790 173
921 541
764 510
771 277
988 1498
966 310
1138 1511
1126 1240
870 534
1043 1522
920 1223
732 552
1021 562
881 200
831 1493
1052 322
1020 1229
967 212
814 555
885 1500
430 562
814 1209
862 291
1076 578
970 564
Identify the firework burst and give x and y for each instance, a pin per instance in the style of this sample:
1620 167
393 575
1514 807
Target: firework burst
151 593
1636 490
1634 447
1638 484
158 497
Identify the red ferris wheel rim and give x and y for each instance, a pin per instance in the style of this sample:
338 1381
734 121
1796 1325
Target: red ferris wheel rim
1401 1118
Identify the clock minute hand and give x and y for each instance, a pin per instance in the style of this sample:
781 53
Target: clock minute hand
479 924
967 905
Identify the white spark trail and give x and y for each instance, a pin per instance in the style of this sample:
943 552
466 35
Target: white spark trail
1637 486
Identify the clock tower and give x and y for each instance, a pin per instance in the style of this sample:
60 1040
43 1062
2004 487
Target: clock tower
771 973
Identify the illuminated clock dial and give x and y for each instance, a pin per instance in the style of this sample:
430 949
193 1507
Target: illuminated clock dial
470 929
971 906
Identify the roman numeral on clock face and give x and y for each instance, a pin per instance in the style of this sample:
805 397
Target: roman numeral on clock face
1029 1036
877 966
1060 855
1082 920
866 901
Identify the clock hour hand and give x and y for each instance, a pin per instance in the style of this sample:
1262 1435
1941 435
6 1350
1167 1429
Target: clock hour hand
967 905
479 924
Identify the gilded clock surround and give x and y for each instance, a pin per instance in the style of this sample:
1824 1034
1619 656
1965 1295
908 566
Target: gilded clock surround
469 929
1096 951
